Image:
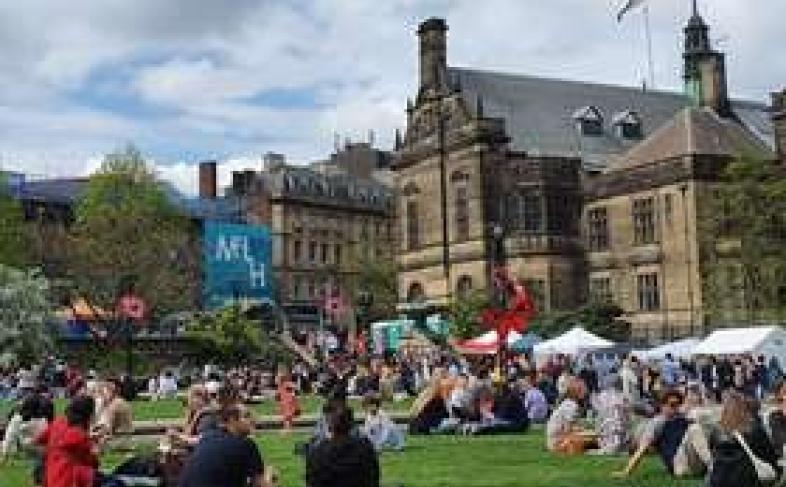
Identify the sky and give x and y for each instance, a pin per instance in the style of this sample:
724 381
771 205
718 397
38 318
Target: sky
188 80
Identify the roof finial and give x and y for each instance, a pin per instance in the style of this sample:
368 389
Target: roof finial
398 143
695 7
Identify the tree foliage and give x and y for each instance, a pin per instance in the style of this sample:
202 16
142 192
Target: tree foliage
377 276
744 244
14 239
228 337
600 318
25 312
465 314
126 232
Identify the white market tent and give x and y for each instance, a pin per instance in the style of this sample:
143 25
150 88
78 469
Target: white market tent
573 342
769 341
680 349
487 343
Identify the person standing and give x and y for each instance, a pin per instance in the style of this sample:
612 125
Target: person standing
287 400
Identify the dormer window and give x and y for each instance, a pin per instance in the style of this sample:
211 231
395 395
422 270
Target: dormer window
627 125
589 121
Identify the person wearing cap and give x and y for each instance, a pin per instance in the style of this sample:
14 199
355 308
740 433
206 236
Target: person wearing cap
680 443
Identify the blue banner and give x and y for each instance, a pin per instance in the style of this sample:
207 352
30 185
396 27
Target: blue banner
237 263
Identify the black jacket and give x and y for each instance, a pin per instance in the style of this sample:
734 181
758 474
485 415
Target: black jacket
343 462
731 466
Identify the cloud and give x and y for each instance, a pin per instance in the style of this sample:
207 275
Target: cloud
193 79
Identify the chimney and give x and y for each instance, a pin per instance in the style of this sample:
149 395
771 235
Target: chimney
433 54
779 123
208 188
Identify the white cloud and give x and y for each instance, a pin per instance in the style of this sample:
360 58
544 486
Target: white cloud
185 69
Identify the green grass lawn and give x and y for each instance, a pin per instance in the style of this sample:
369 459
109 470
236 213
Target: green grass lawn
172 409
447 461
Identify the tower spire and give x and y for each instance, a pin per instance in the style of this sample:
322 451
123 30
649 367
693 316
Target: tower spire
695 7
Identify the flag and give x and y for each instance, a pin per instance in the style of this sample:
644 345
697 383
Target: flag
629 5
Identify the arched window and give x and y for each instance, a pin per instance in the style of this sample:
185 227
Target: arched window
415 293
464 286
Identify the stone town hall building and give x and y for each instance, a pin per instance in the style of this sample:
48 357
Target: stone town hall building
591 189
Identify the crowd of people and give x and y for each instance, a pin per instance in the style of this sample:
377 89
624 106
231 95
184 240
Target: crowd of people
722 417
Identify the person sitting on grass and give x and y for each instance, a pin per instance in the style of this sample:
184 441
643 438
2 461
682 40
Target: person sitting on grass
428 410
534 399
613 419
564 433
502 412
226 456
378 427
200 417
115 417
26 423
70 456
344 459
680 443
739 428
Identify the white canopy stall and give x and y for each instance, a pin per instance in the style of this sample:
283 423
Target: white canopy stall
769 341
574 342
679 349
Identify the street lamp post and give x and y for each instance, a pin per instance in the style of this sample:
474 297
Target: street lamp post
364 301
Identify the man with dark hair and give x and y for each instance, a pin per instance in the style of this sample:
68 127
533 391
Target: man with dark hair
343 459
680 442
226 457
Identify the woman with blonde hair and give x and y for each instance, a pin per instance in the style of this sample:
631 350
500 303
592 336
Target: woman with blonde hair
739 430
563 431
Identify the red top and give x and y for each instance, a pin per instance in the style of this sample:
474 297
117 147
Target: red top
68 456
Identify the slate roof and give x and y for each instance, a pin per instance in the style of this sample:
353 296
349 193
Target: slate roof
65 191
694 131
538 112
300 182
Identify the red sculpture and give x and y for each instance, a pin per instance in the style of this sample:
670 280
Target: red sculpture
518 311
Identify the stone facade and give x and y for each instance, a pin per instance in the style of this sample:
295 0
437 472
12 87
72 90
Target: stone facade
457 179
485 151
324 227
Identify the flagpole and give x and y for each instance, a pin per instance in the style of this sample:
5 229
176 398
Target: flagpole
648 36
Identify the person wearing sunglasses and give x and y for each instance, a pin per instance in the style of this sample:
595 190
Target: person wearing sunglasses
679 442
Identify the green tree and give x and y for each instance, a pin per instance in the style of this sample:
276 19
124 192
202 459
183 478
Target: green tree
25 312
377 276
465 314
230 338
126 231
744 242
13 231
600 318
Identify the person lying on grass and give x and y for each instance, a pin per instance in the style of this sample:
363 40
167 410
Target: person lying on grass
680 443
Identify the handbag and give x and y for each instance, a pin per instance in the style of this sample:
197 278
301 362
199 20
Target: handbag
764 471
